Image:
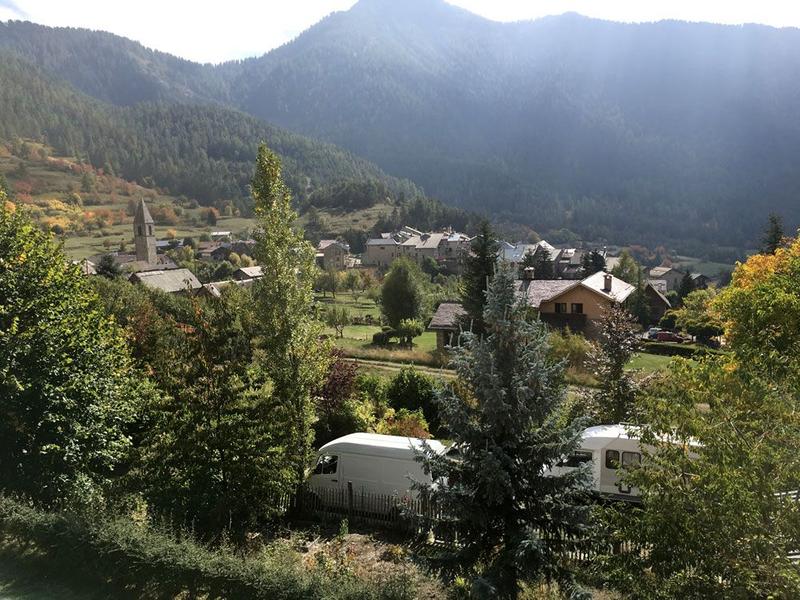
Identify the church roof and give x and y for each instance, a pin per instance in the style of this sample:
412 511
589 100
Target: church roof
142 214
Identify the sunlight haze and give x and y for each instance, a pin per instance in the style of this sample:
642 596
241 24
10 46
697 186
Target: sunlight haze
214 32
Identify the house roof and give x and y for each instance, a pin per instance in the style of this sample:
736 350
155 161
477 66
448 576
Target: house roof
546 290
215 288
540 290
660 285
323 244
431 240
659 294
620 290
251 272
659 272
696 276
447 316
177 280
382 242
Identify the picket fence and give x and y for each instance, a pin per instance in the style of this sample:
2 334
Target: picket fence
415 518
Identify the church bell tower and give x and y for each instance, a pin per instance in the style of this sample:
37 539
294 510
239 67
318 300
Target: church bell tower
143 235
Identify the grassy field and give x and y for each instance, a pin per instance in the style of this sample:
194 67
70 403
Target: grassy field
649 363
102 222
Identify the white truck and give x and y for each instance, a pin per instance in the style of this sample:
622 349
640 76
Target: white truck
369 465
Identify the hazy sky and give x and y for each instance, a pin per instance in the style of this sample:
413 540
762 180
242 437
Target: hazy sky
213 31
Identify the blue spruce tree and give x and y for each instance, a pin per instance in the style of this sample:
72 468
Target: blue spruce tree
506 415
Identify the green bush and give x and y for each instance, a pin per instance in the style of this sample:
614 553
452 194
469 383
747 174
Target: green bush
671 349
128 559
573 348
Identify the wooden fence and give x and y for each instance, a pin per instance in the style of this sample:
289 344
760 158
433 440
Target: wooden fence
416 518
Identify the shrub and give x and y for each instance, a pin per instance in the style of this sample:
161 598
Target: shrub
118 557
412 390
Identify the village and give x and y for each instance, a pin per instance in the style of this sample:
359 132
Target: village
572 289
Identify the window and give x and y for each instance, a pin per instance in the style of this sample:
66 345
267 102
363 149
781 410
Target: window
140 230
631 460
612 459
561 308
149 230
577 309
326 465
576 459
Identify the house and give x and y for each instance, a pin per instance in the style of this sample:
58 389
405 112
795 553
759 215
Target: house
332 254
175 281
446 322
381 251
659 284
568 263
515 254
671 275
700 281
248 273
214 290
657 302
447 247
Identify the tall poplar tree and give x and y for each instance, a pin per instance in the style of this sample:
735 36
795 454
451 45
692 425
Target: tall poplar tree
505 416
480 267
288 346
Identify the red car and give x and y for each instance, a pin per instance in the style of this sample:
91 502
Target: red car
668 336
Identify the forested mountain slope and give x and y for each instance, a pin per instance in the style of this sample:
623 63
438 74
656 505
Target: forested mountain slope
202 151
652 133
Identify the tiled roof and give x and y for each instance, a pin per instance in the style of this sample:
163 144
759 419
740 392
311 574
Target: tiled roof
620 290
177 280
382 242
658 272
251 272
539 290
447 316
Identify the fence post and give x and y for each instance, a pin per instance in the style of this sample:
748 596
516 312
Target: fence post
350 501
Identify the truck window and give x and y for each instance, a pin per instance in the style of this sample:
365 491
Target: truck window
612 459
631 460
576 459
326 465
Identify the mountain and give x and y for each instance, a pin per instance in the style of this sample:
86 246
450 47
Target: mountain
203 151
668 132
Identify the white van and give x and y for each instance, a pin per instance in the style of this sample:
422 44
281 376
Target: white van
369 463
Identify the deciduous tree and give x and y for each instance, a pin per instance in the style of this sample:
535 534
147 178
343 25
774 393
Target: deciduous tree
288 346
67 389
401 293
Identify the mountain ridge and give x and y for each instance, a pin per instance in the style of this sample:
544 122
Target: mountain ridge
667 132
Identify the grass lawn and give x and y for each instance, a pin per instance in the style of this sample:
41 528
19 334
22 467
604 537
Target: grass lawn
362 308
649 363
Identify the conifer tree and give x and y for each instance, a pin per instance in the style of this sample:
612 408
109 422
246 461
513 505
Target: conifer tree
618 340
773 236
480 267
505 417
592 262
543 267
288 346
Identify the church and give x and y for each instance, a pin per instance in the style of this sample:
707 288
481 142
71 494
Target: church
145 257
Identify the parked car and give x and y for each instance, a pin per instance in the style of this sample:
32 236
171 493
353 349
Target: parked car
652 333
669 336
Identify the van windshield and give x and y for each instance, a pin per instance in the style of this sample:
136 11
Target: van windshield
326 465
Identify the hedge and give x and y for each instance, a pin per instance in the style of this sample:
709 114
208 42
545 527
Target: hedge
673 349
138 561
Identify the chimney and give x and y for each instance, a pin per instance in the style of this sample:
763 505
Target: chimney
528 274
607 279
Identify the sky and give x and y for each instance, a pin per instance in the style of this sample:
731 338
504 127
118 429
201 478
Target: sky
215 31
